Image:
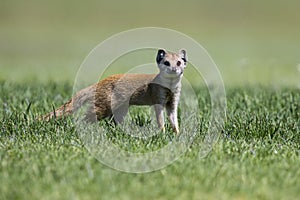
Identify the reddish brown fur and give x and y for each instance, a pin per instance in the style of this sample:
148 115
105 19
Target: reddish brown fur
139 89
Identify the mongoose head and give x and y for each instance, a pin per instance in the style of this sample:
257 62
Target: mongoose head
171 64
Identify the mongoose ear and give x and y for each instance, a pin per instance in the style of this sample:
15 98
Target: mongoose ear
182 53
160 55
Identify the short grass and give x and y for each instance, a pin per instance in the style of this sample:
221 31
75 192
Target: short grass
256 157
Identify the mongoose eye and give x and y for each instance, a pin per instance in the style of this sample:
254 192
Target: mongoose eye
167 63
178 63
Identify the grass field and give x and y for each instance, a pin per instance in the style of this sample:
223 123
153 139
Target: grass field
256 47
257 156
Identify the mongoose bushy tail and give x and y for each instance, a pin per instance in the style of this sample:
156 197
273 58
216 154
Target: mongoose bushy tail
82 97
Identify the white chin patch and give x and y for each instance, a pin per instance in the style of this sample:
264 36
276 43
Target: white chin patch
172 74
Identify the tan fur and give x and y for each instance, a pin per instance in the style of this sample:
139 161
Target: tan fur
112 96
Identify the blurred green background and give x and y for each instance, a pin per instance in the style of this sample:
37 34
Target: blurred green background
252 42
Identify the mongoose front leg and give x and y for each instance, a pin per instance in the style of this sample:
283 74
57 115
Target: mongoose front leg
120 113
159 111
172 116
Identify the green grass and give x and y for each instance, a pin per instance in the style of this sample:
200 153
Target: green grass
256 157
253 43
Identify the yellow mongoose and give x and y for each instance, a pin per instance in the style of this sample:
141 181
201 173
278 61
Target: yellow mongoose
112 96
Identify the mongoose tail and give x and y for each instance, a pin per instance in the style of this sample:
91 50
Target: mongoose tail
68 108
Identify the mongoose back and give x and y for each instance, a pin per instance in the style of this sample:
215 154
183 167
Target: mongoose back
112 96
